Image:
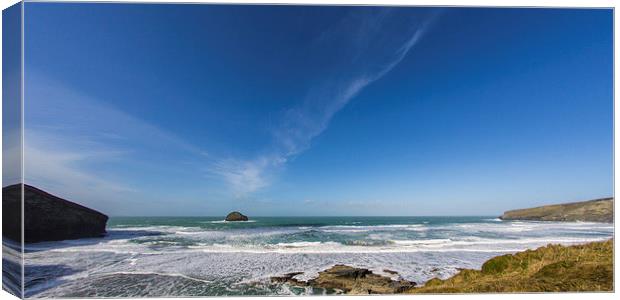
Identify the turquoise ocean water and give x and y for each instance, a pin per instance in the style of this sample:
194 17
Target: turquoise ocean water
206 256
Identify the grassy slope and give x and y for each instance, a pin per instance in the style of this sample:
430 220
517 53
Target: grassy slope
553 268
599 210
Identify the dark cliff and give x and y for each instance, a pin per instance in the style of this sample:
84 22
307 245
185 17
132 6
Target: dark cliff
47 217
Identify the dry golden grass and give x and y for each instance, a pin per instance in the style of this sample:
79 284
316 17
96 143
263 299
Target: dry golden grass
599 210
553 268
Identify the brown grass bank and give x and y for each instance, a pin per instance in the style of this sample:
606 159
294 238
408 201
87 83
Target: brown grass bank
552 268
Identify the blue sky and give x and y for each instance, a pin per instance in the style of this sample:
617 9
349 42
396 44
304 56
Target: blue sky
297 110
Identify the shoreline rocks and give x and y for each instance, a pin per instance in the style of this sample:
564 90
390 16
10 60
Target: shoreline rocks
236 216
349 280
47 217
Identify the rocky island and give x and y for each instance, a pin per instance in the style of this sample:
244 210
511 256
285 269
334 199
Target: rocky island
236 216
47 217
598 210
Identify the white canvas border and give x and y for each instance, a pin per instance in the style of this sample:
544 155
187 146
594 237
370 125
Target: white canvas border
492 3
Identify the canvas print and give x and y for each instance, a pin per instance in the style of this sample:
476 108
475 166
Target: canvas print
177 150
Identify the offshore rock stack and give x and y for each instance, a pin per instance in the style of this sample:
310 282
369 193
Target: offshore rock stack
236 216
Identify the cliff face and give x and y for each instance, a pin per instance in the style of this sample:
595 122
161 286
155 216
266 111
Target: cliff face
11 212
599 210
47 217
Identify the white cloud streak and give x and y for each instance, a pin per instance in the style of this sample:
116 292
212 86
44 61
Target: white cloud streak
245 176
70 136
61 158
369 57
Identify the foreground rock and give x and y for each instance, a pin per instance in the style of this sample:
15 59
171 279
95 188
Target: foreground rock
349 280
236 216
47 217
554 268
599 210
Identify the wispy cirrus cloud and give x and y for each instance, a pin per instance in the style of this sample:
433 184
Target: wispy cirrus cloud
369 44
79 147
246 176
68 156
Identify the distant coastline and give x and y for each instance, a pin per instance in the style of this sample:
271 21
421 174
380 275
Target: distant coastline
597 210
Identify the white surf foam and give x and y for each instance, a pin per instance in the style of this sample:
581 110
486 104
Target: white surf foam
228 222
254 254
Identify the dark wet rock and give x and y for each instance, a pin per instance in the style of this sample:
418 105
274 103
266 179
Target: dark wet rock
350 280
236 216
289 278
47 217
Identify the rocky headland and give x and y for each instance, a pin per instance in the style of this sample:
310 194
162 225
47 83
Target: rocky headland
47 217
598 210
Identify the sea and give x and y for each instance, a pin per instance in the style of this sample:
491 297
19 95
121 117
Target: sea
207 256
